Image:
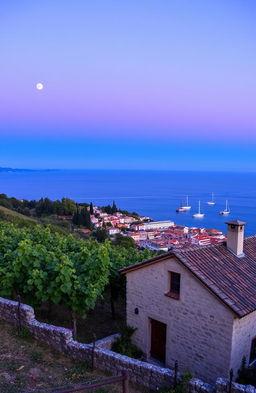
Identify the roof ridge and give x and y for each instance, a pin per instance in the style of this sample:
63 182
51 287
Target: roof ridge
249 237
185 250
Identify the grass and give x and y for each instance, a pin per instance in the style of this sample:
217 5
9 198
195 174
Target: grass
12 213
26 365
20 221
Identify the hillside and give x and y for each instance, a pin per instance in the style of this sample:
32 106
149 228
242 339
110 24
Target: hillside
12 213
21 220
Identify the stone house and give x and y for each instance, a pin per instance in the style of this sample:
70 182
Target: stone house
197 305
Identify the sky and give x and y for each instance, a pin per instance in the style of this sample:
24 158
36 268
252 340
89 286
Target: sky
128 84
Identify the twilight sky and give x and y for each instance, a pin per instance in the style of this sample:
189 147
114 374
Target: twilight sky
133 84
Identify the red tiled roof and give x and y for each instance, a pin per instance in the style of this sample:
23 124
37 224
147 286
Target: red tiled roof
231 278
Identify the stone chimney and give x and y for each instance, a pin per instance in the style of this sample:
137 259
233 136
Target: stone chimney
235 237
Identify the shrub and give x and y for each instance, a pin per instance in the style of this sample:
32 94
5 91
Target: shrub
246 375
181 386
124 344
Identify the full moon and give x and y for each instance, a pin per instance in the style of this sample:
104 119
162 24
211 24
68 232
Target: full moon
39 86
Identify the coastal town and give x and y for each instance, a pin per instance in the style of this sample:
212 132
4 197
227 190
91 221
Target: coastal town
154 235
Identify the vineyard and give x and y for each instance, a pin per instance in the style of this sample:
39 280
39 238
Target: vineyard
42 267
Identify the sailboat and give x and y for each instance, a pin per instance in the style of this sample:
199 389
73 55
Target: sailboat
227 209
212 202
180 209
186 207
199 214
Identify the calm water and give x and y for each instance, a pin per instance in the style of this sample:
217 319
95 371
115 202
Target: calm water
153 193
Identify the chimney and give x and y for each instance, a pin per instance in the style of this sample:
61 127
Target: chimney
235 237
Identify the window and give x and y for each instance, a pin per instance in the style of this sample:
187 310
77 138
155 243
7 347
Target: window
174 291
253 351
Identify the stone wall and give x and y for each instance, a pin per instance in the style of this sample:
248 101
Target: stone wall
57 337
221 386
106 343
145 374
104 359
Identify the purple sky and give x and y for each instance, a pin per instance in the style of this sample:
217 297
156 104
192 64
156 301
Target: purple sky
168 76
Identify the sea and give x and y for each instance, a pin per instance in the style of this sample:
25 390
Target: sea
156 194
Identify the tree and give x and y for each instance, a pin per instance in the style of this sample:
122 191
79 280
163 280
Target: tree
85 218
82 217
75 216
101 235
92 270
69 206
42 266
124 241
44 207
114 208
91 208
46 267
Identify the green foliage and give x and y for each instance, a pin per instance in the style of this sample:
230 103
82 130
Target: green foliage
124 241
124 345
100 235
246 375
43 266
82 217
110 209
16 220
181 385
15 204
43 207
113 209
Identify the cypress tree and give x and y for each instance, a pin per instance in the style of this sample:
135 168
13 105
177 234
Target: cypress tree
114 208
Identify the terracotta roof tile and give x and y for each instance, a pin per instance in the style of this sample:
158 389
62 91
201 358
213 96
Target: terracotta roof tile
231 278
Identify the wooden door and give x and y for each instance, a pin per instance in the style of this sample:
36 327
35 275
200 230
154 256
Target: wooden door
158 340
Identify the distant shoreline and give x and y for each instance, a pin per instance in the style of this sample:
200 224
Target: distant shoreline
8 170
125 170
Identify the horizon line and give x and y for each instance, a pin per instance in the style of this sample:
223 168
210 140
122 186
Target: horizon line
10 169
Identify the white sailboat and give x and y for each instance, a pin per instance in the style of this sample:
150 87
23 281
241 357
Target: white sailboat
186 207
212 202
227 209
199 214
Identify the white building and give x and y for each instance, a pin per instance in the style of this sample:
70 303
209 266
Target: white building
113 231
147 226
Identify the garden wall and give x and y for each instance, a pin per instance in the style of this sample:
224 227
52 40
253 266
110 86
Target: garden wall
141 372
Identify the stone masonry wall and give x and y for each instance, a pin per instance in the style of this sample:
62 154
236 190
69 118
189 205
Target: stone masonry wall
145 374
244 332
221 386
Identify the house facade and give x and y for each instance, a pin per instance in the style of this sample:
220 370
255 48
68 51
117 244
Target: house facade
197 306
